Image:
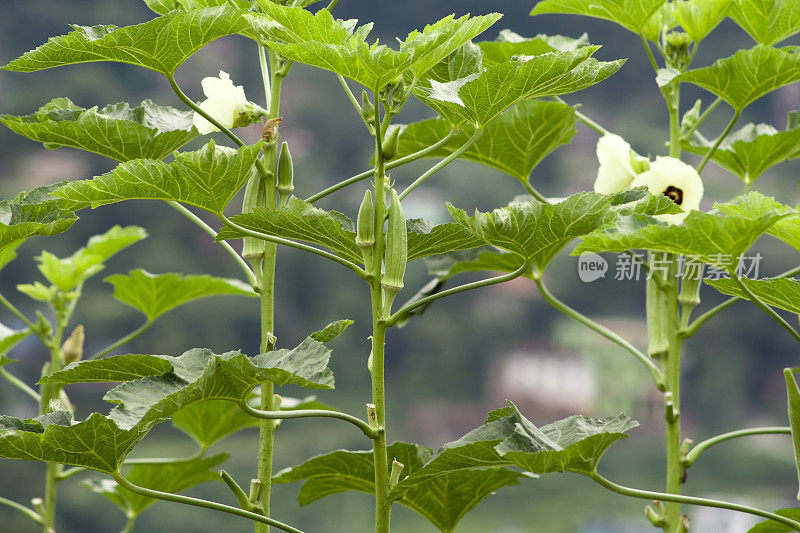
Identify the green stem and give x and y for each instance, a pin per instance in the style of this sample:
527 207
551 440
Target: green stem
300 246
702 118
583 118
655 372
251 278
267 428
129 523
30 513
719 140
766 308
441 164
650 56
124 340
699 321
691 500
356 105
390 165
672 371
383 508
695 452
48 393
197 502
533 192
21 385
310 413
11 307
397 316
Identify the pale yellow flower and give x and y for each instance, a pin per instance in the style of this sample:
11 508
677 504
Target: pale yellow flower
226 103
618 164
675 179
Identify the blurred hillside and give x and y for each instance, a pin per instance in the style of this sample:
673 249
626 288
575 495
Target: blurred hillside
446 370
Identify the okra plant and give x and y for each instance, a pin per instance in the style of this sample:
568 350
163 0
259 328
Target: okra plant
497 103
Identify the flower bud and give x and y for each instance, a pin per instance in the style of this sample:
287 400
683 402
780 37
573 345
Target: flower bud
391 144
677 49
365 229
655 518
254 196
396 254
285 173
72 349
394 477
367 109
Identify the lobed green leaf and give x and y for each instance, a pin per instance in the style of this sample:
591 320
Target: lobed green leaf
31 213
443 500
630 14
767 21
208 178
712 238
509 44
117 131
155 294
751 150
161 44
748 75
514 143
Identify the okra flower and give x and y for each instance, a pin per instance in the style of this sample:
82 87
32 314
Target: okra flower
226 103
676 180
618 164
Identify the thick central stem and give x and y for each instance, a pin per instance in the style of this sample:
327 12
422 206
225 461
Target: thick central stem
672 364
382 509
266 439
48 393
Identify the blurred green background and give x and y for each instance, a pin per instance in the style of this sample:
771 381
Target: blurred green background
468 353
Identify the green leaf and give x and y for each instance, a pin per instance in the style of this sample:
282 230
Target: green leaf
8 339
162 7
208 178
322 41
425 239
786 229
69 272
30 214
509 44
331 331
155 394
767 21
161 44
513 143
8 254
155 294
480 98
574 444
630 14
537 231
443 501
699 17
210 421
770 526
783 293
748 74
446 266
712 238
167 477
301 221
116 131
751 150
96 443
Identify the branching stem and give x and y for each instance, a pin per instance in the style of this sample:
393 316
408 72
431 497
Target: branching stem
695 452
124 340
310 413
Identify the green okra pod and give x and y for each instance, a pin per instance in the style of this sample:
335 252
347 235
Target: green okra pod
285 173
396 254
